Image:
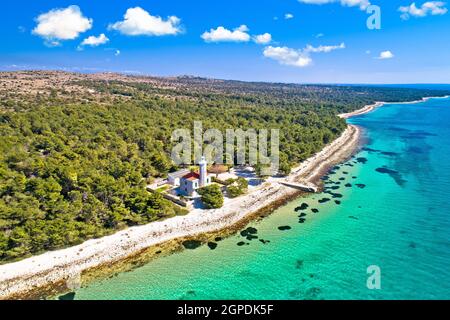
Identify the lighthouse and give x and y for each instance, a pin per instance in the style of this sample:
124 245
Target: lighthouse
203 171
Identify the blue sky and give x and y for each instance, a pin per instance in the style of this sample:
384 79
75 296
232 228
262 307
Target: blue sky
413 42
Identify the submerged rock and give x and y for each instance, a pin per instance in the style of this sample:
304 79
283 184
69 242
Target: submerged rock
348 185
314 210
302 215
298 264
361 160
301 220
264 241
361 185
192 244
249 231
303 206
250 237
212 245
353 217
67 296
393 174
323 200
284 228
337 202
241 243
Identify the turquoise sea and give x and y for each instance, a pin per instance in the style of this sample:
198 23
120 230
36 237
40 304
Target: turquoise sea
388 206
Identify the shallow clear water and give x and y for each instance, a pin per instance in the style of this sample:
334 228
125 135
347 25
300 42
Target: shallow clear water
398 218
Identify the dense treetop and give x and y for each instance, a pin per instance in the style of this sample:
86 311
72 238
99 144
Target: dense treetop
76 151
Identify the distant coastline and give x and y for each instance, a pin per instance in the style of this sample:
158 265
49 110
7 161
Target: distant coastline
36 275
372 107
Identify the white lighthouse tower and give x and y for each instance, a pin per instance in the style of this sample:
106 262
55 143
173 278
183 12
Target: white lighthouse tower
203 172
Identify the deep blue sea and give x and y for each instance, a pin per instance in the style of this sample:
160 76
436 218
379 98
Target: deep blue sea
388 206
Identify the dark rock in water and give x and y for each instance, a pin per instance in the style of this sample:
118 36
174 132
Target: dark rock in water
324 178
302 215
314 210
252 230
361 160
212 245
336 195
344 172
389 154
298 264
361 185
393 174
250 237
192 244
264 241
370 150
353 217
338 182
337 202
217 239
341 179
348 185
158 252
413 245
241 243
354 177
415 149
301 220
303 206
335 187
385 170
284 228
67 296
324 200
249 231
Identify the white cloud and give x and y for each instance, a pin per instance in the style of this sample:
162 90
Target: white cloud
362 4
288 56
138 22
222 34
319 35
384 55
288 16
296 57
325 49
428 8
61 24
94 41
117 53
263 38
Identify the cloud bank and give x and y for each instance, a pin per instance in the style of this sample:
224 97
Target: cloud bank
362 4
428 8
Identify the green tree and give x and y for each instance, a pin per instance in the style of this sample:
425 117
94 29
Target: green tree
212 196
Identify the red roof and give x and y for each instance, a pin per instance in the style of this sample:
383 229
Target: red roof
192 176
